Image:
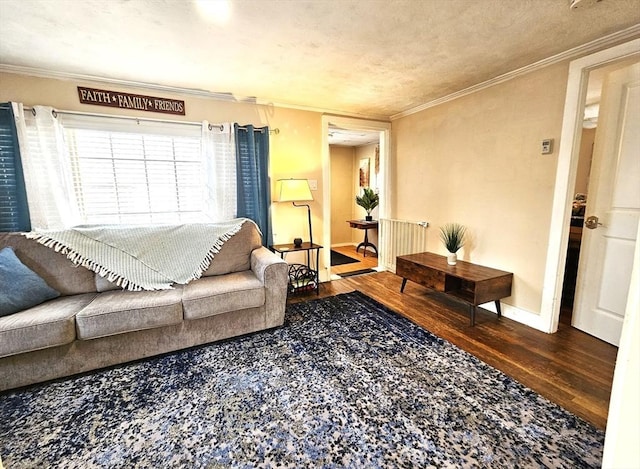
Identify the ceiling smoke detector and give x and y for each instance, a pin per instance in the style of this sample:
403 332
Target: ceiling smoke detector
573 4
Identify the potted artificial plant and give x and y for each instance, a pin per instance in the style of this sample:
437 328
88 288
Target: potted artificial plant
452 235
368 201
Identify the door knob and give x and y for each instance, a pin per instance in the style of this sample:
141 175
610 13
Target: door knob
592 222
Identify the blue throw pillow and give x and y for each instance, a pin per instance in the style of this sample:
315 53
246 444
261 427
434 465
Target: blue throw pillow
20 287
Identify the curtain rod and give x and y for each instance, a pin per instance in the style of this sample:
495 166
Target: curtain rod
275 131
55 112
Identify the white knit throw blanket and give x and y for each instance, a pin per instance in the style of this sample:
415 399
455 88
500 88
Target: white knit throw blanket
142 257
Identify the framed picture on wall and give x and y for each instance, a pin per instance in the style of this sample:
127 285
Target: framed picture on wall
364 172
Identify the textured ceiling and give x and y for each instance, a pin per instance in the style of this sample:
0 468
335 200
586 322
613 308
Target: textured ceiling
351 138
367 57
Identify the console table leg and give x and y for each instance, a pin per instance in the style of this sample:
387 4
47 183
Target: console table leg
404 282
473 315
366 241
498 308
364 244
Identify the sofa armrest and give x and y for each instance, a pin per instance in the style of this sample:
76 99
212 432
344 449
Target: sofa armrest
273 272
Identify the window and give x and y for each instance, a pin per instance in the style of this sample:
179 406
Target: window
127 171
87 169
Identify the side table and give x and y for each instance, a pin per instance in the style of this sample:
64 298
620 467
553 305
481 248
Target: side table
302 278
365 225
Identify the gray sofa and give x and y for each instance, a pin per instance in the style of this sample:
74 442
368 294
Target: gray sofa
94 324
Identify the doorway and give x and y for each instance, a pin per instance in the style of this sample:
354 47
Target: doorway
581 191
613 209
590 135
355 168
566 172
351 130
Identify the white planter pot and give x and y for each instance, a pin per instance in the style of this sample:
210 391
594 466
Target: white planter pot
452 258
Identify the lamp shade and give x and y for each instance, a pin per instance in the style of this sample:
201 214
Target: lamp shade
293 190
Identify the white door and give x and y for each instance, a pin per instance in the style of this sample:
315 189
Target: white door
608 241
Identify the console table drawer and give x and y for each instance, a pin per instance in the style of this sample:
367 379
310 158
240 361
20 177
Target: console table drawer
421 274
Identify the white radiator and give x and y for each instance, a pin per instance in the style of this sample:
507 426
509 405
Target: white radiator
400 237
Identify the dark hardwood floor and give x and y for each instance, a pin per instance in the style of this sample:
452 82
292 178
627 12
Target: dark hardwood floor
571 368
369 261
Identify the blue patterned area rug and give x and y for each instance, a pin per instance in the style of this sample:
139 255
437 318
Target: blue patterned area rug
344 383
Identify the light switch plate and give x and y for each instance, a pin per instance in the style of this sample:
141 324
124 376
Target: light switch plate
547 146
313 184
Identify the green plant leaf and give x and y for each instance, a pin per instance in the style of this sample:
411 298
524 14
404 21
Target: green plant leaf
452 235
368 200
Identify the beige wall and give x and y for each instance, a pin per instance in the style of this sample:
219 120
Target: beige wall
476 161
294 152
342 194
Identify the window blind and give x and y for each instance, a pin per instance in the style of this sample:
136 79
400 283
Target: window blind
127 171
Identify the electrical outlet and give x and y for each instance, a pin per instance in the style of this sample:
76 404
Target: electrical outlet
313 184
547 146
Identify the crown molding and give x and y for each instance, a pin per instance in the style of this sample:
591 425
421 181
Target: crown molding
324 111
587 48
228 97
43 73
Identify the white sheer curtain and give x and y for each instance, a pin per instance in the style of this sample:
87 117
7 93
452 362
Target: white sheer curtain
219 153
46 168
49 179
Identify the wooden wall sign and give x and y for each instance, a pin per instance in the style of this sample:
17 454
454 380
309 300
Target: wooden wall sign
130 101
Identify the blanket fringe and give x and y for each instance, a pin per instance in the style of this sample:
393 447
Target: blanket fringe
81 261
215 249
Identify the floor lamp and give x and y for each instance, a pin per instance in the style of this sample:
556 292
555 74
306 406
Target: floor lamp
296 190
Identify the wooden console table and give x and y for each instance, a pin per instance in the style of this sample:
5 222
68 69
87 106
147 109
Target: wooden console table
474 284
365 225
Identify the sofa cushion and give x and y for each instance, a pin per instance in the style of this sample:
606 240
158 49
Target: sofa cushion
117 312
235 254
46 325
208 296
20 287
54 268
102 284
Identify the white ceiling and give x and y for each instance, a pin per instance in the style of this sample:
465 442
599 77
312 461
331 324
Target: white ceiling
373 58
352 138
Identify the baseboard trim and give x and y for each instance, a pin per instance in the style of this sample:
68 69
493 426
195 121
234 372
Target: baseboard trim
520 315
